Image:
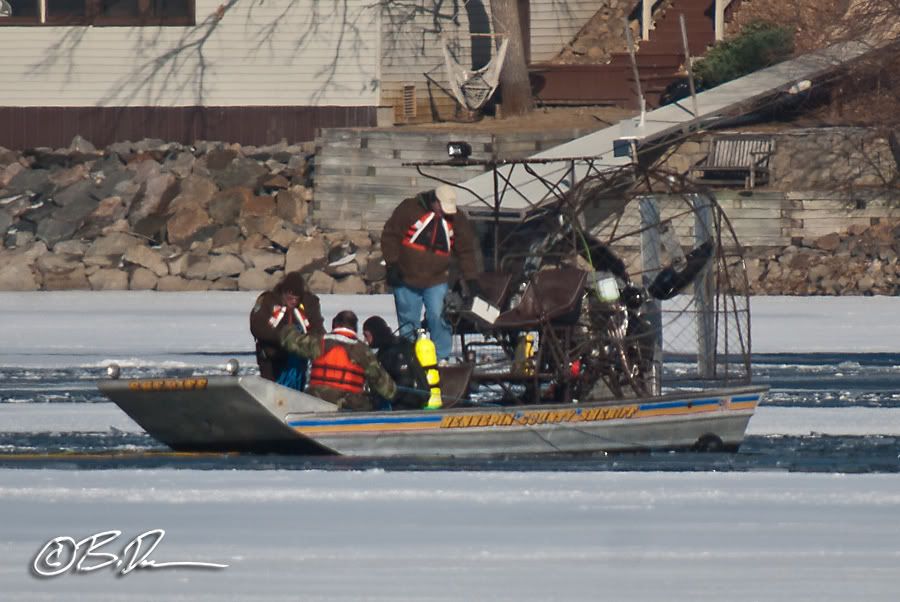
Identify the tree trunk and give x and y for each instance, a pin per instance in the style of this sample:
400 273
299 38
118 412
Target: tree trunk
516 89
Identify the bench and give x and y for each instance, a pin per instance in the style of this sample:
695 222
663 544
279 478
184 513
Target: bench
738 159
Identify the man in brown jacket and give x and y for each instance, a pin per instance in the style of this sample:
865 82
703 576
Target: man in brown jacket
289 303
417 243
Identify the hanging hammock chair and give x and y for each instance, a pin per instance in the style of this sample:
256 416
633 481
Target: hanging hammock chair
473 88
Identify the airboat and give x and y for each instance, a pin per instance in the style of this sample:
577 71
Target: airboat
614 316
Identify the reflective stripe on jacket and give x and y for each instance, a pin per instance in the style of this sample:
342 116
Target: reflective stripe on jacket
430 233
299 317
334 368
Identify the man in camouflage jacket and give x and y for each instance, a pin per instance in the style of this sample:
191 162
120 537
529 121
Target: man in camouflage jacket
342 365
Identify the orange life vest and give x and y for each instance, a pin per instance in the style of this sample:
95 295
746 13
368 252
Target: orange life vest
430 233
334 368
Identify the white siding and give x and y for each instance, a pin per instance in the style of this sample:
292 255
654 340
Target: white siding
276 52
555 22
411 48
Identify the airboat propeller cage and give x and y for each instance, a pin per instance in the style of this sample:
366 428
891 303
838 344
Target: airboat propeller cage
668 240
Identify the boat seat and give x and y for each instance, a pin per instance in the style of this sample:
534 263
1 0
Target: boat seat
495 289
551 296
455 382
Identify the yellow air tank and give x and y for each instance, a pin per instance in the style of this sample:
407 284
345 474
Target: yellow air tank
427 356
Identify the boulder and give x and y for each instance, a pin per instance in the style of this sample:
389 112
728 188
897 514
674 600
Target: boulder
818 272
275 182
17 275
143 169
142 279
61 272
114 243
152 227
195 191
224 284
34 181
257 206
218 159
255 241
146 257
178 264
16 238
9 172
183 227
68 176
174 284
81 145
251 226
52 230
257 280
375 269
158 190
351 285
281 233
225 206
265 260
360 238
202 247
197 266
302 252
110 209
829 242
345 269
71 247
291 206
239 172
108 280
6 220
181 164
225 266
226 237
865 284
320 283
102 261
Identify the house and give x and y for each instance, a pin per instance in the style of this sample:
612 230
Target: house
241 71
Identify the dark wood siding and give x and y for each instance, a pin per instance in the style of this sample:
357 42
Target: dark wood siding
27 127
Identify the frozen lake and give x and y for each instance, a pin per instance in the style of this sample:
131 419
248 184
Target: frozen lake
602 528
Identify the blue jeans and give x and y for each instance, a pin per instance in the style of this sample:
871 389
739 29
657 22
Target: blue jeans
409 302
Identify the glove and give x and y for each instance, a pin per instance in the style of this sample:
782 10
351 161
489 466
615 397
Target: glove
474 288
394 276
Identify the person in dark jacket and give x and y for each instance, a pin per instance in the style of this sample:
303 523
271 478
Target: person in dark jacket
345 365
289 303
417 243
398 356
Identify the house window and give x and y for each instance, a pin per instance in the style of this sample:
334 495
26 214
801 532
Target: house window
112 13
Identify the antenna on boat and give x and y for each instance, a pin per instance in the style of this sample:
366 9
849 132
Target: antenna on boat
688 66
642 102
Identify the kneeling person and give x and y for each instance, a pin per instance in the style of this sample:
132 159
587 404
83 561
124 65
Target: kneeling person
398 356
345 365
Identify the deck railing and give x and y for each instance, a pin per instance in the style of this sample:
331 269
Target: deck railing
647 18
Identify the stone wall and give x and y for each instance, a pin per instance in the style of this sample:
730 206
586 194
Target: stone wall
161 216
857 261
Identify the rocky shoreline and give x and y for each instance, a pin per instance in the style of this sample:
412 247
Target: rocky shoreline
163 216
